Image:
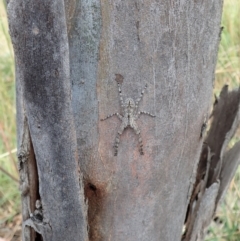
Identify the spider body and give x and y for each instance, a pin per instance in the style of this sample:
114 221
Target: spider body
129 118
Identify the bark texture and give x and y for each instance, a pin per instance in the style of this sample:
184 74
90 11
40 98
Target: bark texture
171 47
46 131
70 56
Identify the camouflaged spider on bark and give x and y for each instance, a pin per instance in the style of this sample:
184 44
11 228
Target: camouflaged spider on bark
129 116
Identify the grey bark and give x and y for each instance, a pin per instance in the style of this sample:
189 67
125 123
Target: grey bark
69 57
39 37
172 48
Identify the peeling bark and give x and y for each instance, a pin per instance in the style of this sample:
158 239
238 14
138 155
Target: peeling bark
69 57
216 165
231 160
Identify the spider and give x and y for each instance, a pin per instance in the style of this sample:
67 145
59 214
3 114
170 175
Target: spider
129 116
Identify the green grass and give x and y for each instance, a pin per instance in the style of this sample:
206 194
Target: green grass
228 66
226 228
9 194
228 72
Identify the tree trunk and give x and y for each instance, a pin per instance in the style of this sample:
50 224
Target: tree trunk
39 36
78 62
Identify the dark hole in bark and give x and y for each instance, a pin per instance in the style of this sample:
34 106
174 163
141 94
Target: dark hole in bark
38 237
33 179
92 187
34 186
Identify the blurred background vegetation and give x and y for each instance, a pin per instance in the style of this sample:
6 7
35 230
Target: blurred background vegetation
227 222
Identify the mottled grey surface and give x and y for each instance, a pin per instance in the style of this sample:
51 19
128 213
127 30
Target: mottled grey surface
231 160
39 35
172 47
205 212
84 37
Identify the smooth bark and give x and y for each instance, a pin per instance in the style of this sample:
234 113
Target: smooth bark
45 122
171 46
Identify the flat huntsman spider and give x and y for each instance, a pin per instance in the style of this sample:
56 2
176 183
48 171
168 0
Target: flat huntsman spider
129 116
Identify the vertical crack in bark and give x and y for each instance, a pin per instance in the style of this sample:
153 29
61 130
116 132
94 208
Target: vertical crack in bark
94 195
33 223
29 185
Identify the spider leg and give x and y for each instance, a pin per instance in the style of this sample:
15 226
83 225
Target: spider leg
117 114
117 140
146 113
140 97
137 131
120 95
